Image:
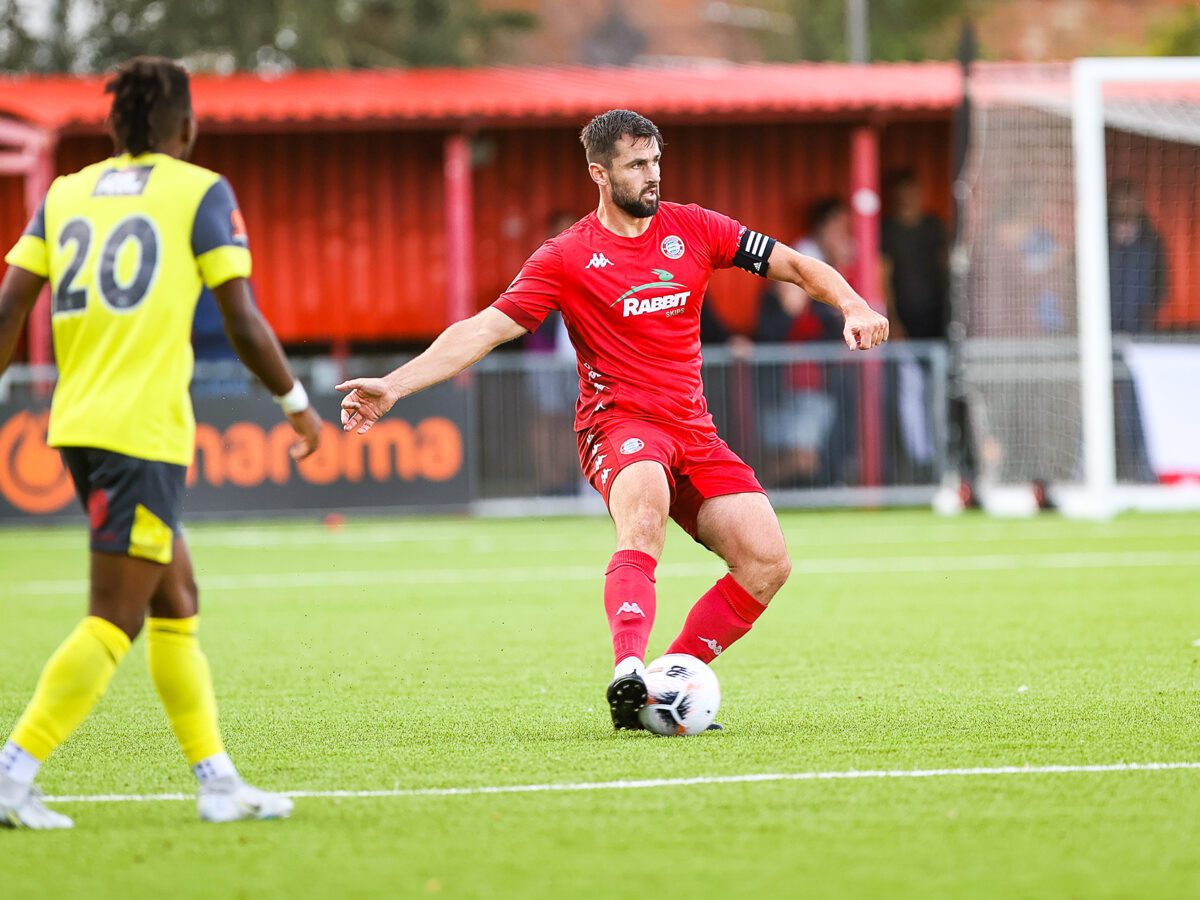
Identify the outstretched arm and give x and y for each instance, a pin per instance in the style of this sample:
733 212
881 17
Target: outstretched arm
864 327
461 345
18 293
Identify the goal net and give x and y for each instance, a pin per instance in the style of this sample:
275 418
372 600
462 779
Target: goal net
1080 312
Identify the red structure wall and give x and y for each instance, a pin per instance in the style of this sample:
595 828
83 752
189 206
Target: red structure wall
13 218
764 175
348 228
362 232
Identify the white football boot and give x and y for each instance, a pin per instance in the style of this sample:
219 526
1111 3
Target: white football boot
21 806
230 799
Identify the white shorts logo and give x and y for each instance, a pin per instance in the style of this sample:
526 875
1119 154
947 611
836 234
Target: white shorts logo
633 445
672 246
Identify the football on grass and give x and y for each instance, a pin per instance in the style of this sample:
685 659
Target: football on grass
683 695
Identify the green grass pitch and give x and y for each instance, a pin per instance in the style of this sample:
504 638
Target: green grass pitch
393 655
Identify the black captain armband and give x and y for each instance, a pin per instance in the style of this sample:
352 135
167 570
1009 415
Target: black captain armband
754 249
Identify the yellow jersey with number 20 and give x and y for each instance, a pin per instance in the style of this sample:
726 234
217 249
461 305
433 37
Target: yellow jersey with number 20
128 245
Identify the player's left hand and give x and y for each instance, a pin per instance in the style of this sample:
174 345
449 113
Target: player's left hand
367 400
865 328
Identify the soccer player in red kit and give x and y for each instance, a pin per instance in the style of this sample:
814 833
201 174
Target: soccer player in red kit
629 280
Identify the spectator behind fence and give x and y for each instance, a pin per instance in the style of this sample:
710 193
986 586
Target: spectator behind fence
1137 264
1021 273
1025 427
914 262
553 390
1138 277
913 246
715 331
798 411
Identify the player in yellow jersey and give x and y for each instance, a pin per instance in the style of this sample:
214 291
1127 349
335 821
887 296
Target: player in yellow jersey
128 245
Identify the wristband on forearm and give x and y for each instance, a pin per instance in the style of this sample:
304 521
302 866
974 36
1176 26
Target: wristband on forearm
295 400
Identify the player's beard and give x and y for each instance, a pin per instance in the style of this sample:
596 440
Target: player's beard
636 204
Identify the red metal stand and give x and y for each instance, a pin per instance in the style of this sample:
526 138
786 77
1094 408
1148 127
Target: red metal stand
460 259
865 206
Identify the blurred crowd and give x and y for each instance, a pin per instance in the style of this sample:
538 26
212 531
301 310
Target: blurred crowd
805 416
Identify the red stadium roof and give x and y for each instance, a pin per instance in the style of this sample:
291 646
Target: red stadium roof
481 96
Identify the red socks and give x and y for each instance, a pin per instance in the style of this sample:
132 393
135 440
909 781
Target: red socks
718 619
629 602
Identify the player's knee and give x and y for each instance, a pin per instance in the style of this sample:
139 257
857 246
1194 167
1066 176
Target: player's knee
771 567
643 529
190 598
650 522
644 538
129 622
780 569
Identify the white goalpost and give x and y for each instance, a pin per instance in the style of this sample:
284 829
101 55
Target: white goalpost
1071 357
1099 496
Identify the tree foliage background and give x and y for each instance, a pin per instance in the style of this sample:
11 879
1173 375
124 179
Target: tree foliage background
897 29
278 35
263 35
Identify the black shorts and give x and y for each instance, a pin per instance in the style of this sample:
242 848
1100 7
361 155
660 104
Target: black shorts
133 504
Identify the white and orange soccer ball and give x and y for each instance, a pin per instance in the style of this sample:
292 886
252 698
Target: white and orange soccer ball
683 695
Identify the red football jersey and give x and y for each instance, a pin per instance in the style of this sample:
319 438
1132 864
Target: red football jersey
632 306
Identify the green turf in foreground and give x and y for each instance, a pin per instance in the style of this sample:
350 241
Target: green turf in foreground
445 653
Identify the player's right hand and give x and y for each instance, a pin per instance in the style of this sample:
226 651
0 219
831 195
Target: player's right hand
864 327
367 401
307 424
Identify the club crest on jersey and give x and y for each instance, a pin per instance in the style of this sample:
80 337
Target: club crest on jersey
633 305
633 445
672 246
237 227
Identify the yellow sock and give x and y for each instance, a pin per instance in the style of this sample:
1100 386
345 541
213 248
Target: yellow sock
74 678
181 674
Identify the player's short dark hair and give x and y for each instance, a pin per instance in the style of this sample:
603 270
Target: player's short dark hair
151 97
599 137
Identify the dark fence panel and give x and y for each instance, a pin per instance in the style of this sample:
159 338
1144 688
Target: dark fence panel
820 425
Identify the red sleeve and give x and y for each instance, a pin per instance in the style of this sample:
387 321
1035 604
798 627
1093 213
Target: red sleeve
537 289
720 232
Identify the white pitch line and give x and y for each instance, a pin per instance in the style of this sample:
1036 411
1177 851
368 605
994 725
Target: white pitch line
850 775
241 537
928 565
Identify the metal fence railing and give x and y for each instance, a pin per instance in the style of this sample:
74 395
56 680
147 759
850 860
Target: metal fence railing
821 426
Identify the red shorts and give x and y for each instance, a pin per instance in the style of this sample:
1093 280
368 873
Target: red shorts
698 463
